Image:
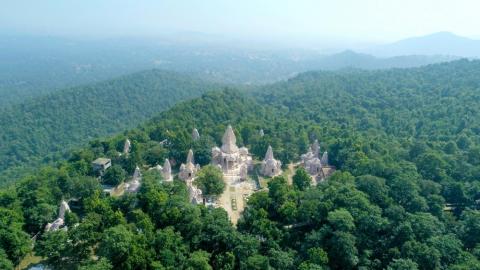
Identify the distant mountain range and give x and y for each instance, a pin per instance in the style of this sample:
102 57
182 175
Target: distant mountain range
441 43
34 66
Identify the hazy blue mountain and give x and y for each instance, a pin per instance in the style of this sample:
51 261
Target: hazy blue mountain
441 43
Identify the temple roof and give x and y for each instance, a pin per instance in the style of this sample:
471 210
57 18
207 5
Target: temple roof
190 157
269 154
316 148
229 141
166 166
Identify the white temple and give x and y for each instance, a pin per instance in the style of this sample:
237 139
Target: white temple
270 166
231 159
195 134
135 183
189 169
126 147
60 221
167 171
317 167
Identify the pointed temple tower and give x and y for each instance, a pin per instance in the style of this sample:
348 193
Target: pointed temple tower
270 166
127 146
189 169
167 171
229 157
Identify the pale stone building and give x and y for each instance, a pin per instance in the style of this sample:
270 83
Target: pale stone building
167 171
261 133
230 158
101 165
135 183
315 165
189 169
270 166
126 147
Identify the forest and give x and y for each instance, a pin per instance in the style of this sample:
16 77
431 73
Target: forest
40 131
406 193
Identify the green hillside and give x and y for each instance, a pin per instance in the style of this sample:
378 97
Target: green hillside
41 130
405 196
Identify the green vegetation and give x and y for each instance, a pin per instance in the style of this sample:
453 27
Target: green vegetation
210 180
405 143
40 131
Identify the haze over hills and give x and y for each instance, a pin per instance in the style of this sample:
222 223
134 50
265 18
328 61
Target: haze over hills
441 43
33 66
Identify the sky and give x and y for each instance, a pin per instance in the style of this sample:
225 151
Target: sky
367 21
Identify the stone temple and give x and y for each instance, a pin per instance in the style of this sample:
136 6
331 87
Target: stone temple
166 170
270 166
188 170
317 167
234 161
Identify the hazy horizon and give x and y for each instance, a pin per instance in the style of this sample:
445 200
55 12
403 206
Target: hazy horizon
304 23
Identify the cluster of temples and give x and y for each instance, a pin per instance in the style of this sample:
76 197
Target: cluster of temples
236 164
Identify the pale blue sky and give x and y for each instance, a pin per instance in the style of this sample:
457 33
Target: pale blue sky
300 20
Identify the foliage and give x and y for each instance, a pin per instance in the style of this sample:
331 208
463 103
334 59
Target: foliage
210 180
403 196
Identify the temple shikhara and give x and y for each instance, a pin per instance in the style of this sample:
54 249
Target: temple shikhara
317 167
237 166
233 161
270 166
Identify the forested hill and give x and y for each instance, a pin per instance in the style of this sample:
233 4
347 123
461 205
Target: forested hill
41 129
405 195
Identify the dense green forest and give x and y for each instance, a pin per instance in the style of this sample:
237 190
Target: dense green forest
40 130
405 143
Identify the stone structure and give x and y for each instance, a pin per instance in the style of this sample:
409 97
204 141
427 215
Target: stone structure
195 134
195 194
270 166
189 169
135 183
101 165
167 171
60 221
311 160
126 147
231 159
261 133
317 167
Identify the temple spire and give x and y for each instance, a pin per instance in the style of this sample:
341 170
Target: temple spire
229 141
167 170
316 149
269 154
190 157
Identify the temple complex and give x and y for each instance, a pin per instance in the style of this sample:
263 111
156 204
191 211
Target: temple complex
270 166
234 162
